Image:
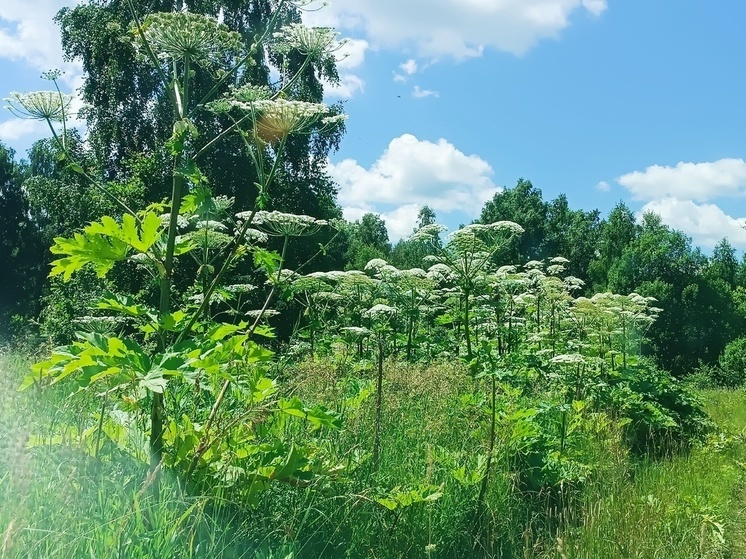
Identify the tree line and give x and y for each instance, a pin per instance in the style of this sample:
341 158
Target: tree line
127 143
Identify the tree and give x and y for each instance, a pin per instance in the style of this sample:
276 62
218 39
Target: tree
368 239
20 247
524 205
409 253
572 234
661 263
616 233
723 263
128 111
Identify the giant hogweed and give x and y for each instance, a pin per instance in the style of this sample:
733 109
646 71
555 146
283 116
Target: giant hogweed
179 354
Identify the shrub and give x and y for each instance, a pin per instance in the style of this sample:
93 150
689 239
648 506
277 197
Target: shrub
732 371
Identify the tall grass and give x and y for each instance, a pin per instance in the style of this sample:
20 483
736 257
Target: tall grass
421 501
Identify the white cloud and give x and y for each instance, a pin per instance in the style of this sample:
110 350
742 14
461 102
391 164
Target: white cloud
596 7
350 56
413 172
398 78
409 67
688 181
28 34
17 128
420 93
603 186
348 86
400 222
455 28
705 223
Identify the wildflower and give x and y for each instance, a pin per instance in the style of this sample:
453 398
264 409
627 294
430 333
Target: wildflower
375 264
314 42
51 106
181 221
428 232
355 332
211 225
568 359
281 224
506 270
179 35
555 269
380 311
507 226
266 313
279 118
253 236
240 288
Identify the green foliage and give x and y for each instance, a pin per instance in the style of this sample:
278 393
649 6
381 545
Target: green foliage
732 370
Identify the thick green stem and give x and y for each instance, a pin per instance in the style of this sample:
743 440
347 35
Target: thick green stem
467 330
379 406
491 444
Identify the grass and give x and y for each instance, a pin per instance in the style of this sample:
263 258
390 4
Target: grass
56 501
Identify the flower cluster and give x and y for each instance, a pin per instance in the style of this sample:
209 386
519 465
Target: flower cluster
380 311
240 288
284 225
314 42
428 233
355 332
177 35
279 118
51 106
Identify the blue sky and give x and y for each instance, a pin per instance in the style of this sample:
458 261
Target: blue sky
449 100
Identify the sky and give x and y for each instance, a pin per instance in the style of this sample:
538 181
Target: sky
449 101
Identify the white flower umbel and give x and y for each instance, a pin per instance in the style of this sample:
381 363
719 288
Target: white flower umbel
568 359
281 224
181 221
176 35
376 264
379 312
254 236
267 313
241 288
210 225
428 233
278 118
314 42
355 332
506 226
51 106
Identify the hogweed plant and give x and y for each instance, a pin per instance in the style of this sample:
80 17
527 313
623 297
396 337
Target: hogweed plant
177 353
468 253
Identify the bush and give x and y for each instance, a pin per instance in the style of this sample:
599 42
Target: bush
733 365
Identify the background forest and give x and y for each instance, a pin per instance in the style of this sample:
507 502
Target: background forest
204 359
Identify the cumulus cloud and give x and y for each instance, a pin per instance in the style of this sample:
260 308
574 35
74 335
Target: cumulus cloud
28 34
411 173
17 128
409 67
456 28
350 56
683 196
705 223
688 181
400 222
348 86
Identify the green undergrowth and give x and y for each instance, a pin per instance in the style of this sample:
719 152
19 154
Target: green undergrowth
596 499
